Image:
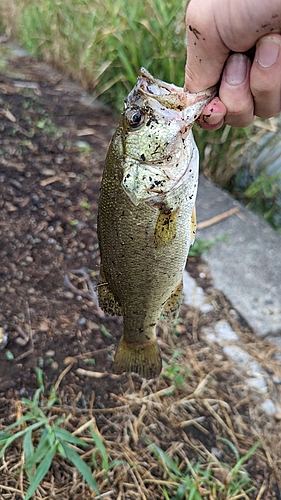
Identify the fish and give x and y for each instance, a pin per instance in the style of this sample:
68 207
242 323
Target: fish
146 216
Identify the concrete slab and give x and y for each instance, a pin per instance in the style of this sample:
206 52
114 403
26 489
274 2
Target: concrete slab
246 267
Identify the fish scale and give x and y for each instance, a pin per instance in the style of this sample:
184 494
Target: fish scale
146 216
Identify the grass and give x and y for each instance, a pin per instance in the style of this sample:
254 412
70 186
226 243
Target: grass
103 44
195 482
50 437
42 442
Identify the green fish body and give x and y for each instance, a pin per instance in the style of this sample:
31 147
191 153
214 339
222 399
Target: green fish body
146 218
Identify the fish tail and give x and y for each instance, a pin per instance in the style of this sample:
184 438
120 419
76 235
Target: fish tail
139 357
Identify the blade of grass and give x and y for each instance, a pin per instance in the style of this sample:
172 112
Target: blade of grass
83 468
46 442
101 448
63 434
28 450
41 471
17 435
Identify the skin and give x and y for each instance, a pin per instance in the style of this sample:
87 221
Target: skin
219 33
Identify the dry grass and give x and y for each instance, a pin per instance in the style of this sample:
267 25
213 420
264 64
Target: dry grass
185 416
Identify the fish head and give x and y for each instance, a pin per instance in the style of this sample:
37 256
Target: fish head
158 146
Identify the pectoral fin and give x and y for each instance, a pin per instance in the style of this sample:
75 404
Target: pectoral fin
107 301
172 305
165 229
193 226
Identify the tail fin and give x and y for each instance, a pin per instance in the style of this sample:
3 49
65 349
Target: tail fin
142 358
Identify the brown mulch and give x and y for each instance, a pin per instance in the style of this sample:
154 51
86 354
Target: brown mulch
52 150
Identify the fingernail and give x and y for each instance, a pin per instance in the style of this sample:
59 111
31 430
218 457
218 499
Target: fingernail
235 71
267 53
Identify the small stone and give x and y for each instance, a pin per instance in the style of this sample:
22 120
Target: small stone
69 360
28 258
277 416
55 365
43 327
93 326
20 341
68 295
48 171
9 355
81 321
269 407
180 329
50 353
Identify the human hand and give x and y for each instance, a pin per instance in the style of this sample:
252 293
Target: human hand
247 87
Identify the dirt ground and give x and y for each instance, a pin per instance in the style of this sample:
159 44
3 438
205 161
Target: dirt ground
52 150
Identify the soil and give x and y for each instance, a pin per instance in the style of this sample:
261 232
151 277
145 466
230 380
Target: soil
53 143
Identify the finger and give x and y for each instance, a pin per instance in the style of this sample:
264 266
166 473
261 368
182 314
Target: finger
206 52
265 76
212 116
235 91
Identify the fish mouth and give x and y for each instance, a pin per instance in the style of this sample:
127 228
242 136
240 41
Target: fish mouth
174 98
158 89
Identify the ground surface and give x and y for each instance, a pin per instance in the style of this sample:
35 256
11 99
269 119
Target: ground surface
49 188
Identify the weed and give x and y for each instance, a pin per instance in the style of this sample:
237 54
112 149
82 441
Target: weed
193 481
42 438
105 332
201 246
102 46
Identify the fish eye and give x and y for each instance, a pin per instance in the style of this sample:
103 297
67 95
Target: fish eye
135 118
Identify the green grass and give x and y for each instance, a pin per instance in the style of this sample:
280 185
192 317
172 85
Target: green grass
40 437
102 44
196 482
201 246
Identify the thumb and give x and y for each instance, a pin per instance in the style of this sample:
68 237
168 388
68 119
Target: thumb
206 52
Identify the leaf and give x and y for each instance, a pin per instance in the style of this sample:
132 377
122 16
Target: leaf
28 416
101 448
63 434
3 437
167 461
81 466
41 471
28 450
231 446
46 441
105 332
245 457
18 434
39 374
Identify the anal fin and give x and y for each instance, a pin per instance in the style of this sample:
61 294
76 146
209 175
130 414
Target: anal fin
171 307
107 301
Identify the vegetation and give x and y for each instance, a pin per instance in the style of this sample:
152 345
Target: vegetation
103 44
40 437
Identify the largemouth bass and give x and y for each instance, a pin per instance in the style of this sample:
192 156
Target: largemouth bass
146 218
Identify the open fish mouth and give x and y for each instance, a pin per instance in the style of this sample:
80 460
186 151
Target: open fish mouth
172 96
